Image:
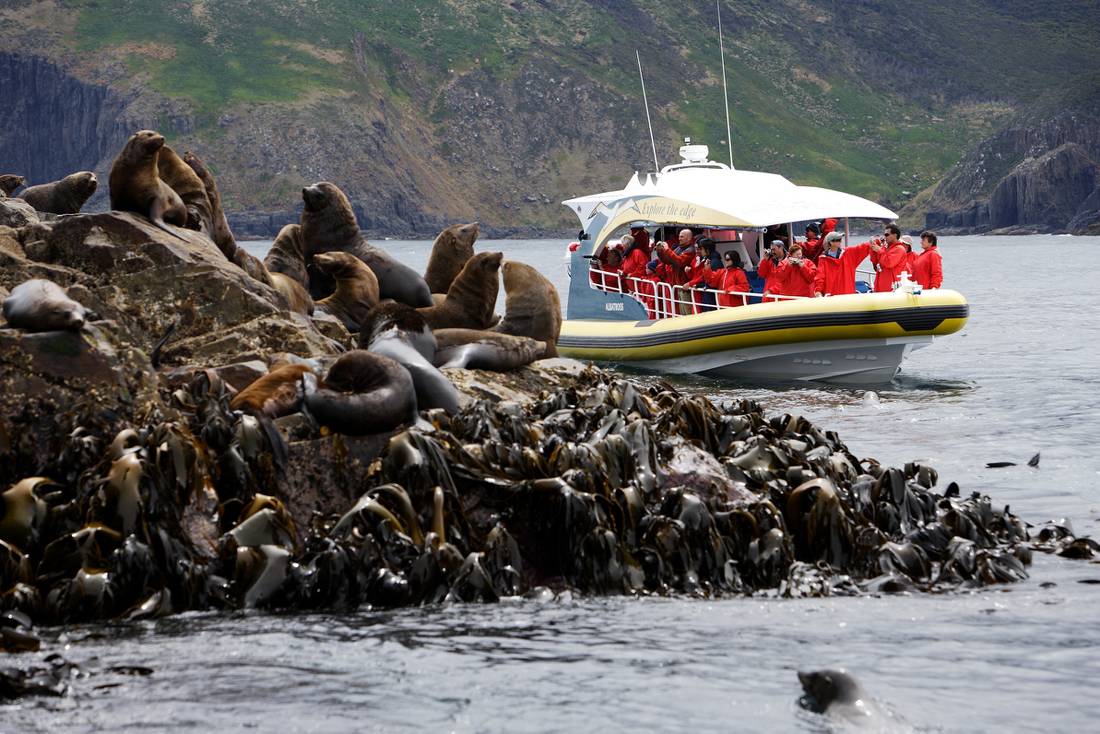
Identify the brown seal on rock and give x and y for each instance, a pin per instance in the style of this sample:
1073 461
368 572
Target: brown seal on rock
275 394
135 184
297 297
532 307
192 191
219 225
356 288
287 256
66 196
470 299
328 223
9 182
450 251
362 393
485 350
41 305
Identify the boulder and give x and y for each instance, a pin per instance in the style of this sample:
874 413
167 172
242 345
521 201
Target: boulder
16 213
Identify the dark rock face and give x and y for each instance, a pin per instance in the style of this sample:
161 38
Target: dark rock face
1026 178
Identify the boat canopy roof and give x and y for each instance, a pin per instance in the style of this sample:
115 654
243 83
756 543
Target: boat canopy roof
712 194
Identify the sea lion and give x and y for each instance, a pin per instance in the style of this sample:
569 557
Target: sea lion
397 331
328 223
191 189
450 251
471 297
838 695
532 307
66 196
41 305
135 184
356 288
362 393
297 297
485 350
9 182
287 256
219 225
278 393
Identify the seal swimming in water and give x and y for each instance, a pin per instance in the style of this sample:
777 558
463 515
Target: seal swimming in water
135 184
328 223
356 288
532 307
471 297
362 393
485 350
450 251
41 305
9 182
66 196
838 695
397 331
278 393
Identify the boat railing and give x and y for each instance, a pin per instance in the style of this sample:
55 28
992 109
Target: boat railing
666 300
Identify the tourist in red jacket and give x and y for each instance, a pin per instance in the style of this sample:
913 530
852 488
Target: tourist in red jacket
730 278
796 274
813 246
888 256
910 256
928 270
641 236
680 258
836 268
634 262
768 269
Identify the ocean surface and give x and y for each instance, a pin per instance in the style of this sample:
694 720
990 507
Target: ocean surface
1021 378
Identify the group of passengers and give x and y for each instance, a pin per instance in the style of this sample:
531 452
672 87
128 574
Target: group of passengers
816 267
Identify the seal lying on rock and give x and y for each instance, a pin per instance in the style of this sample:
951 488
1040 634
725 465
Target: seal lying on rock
400 333
9 182
356 288
532 307
328 223
41 305
470 299
278 393
362 393
66 196
450 251
485 350
135 184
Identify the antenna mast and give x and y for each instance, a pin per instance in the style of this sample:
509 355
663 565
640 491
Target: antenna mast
725 94
645 101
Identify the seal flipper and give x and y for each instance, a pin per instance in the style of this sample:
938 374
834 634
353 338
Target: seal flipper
156 216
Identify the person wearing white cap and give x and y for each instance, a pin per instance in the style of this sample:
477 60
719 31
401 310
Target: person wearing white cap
910 257
836 268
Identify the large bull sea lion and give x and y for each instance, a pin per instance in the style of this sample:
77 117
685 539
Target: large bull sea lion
135 184
362 393
471 297
485 350
397 331
41 305
9 182
450 251
356 288
328 223
532 307
66 196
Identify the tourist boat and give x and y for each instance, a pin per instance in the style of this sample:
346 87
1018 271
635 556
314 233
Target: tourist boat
850 339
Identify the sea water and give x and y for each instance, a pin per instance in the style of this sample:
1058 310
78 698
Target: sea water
1020 379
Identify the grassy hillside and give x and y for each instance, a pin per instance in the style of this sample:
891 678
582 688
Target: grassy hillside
878 97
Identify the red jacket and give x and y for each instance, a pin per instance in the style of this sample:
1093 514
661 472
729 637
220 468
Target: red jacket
928 270
910 263
634 266
768 270
729 279
836 276
888 264
678 260
812 249
827 226
796 280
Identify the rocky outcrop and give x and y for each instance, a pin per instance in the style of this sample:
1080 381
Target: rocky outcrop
1026 178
